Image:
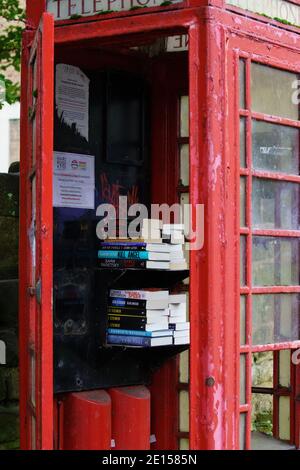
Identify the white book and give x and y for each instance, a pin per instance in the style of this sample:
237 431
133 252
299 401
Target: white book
153 223
174 248
162 321
150 233
177 299
155 326
140 294
154 256
183 340
178 309
178 266
177 238
159 312
158 265
181 334
169 227
159 247
177 256
178 319
179 326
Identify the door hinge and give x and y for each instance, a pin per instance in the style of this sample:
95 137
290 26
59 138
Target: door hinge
36 291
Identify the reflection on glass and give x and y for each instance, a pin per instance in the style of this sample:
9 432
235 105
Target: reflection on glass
242 431
275 318
243 319
275 261
272 91
285 368
242 379
243 142
243 201
242 77
275 204
184 116
284 418
263 369
184 164
262 413
275 147
184 411
243 260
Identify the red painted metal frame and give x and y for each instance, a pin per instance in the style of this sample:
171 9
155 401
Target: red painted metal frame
285 58
213 34
35 321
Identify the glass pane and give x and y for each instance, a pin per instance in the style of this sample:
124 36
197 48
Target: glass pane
243 181
262 413
184 367
272 91
243 431
275 204
184 164
184 411
285 368
242 379
243 299
275 147
184 116
242 76
243 158
284 418
275 261
263 369
275 318
184 444
243 260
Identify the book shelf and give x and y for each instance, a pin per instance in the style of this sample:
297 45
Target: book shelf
88 362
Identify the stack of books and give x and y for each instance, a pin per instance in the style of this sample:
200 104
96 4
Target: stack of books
159 247
139 318
178 323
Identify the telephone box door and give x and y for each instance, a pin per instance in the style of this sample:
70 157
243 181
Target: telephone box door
36 271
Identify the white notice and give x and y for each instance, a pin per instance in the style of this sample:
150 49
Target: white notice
72 98
73 180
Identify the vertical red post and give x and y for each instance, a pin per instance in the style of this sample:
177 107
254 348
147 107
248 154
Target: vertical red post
213 368
34 11
86 421
131 418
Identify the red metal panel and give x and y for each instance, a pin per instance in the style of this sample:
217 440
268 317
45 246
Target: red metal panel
213 383
131 418
86 421
34 11
36 242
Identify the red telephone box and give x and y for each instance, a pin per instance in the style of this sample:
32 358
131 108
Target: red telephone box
238 157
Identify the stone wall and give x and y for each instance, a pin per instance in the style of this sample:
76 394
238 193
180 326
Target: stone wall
9 386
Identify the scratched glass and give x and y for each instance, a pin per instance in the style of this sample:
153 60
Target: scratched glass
275 318
243 201
275 204
243 157
242 80
275 147
272 91
243 260
243 379
275 261
261 417
184 164
243 431
243 319
184 116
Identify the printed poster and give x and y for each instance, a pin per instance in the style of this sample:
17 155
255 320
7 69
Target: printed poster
73 180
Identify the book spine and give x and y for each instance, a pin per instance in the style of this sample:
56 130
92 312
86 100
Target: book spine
123 254
120 247
129 340
117 302
115 331
122 263
125 323
139 312
129 294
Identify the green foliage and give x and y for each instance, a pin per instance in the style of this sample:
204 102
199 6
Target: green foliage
13 17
